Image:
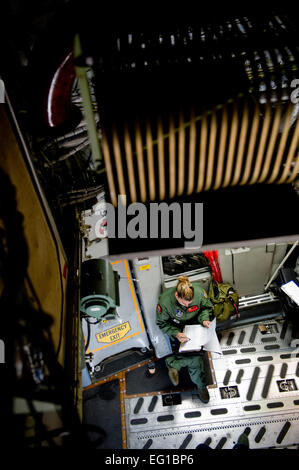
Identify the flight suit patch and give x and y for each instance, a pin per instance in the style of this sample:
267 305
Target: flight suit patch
193 308
159 308
179 313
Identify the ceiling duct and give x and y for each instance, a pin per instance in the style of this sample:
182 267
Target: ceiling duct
197 108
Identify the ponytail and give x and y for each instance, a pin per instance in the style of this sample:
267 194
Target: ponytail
184 289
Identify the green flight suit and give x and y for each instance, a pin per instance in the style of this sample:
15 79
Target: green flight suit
171 317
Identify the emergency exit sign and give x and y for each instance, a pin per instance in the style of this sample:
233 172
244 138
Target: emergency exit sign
114 334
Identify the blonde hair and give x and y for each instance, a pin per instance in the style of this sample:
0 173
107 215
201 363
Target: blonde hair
184 288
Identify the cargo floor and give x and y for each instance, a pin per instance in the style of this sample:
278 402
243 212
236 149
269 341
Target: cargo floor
104 399
253 389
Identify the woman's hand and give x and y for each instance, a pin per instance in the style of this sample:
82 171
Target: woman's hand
182 337
206 323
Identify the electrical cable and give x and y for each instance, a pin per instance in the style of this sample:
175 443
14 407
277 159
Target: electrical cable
233 267
88 336
88 330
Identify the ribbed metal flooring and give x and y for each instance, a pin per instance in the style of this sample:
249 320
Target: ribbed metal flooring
256 391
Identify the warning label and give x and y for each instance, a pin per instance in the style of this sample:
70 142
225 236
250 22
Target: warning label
144 267
114 334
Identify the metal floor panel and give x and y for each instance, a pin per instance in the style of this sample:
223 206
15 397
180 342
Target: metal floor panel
279 337
264 432
256 391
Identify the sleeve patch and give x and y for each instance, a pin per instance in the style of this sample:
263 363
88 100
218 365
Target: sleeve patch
159 308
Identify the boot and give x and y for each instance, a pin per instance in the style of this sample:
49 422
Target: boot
203 395
243 442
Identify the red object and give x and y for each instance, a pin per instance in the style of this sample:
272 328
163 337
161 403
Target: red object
193 308
237 311
64 271
58 99
213 260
